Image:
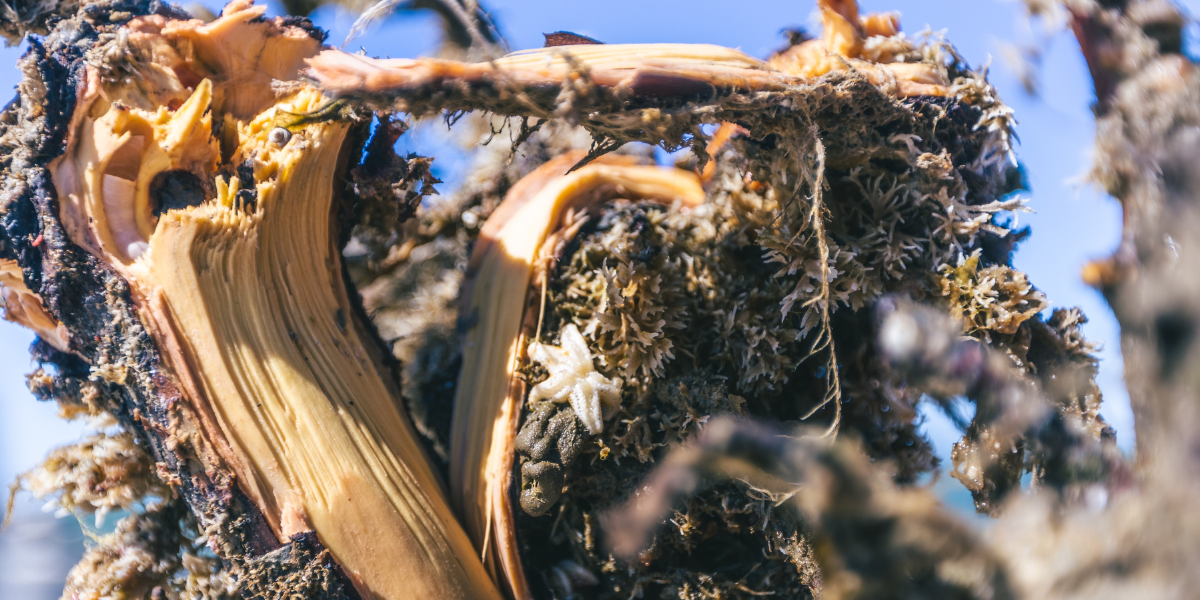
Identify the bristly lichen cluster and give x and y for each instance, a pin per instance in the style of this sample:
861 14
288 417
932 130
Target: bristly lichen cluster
155 554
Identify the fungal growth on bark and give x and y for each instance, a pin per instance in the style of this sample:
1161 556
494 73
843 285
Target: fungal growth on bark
577 375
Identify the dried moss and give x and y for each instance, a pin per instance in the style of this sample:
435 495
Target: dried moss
759 302
995 298
157 550
21 17
104 472
157 554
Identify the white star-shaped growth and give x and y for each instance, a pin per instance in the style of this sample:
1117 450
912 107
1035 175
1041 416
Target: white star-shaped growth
572 377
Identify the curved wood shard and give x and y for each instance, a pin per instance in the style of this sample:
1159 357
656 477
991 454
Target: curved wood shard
24 307
488 399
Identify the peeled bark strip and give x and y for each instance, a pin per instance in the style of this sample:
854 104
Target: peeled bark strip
629 70
643 92
24 307
185 194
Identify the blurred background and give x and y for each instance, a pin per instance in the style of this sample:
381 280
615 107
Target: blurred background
1071 223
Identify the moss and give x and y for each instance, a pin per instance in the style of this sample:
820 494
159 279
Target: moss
157 550
385 189
658 290
410 285
104 472
760 303
36 16
633 320
993 298
157 554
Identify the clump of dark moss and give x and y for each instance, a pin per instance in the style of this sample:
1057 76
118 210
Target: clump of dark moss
759 303
703 551
661 290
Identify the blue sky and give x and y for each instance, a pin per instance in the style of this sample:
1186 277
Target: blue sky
1073 223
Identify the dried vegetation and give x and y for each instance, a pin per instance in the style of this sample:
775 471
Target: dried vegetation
846 216
760 303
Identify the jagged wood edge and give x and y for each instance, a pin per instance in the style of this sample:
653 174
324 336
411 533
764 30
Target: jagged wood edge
110 344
